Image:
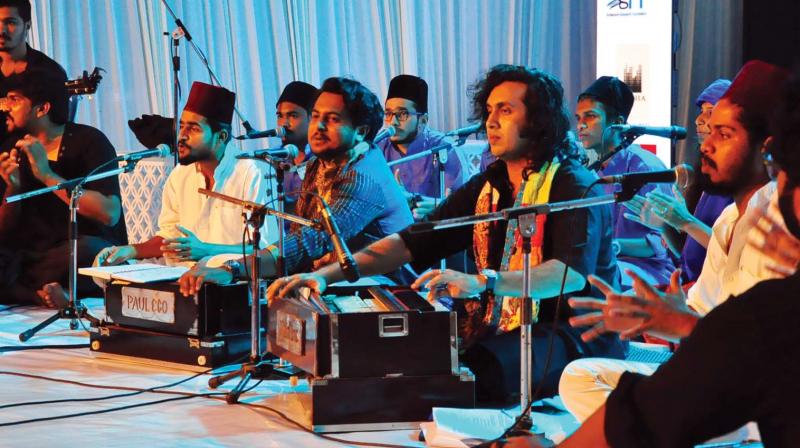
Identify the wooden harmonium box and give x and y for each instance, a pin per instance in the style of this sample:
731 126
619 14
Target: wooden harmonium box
364 332
155 321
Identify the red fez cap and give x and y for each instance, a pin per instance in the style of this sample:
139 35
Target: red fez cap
213 102
757 87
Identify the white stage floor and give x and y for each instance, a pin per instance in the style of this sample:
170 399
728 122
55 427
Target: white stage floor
202 422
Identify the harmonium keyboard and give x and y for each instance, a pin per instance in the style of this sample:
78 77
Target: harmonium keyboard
379 357
154 322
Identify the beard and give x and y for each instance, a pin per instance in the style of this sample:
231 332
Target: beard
409 138
11 42
193 157
739 178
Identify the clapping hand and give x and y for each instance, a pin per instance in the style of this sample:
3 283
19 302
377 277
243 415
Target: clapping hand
773 241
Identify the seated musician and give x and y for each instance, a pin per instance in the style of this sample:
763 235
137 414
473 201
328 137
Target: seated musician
348 172
731 165
527 125
739 363
45 150
191 225
608 101
293 113
16 56
406 110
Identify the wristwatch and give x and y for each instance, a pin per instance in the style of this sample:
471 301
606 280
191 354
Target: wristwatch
491 280
235 268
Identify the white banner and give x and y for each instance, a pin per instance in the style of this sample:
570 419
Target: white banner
634 43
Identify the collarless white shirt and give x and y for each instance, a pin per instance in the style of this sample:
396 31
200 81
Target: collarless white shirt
731 266
213 220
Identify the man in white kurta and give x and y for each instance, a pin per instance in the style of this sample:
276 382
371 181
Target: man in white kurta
215 221
731 267
193 226
731 163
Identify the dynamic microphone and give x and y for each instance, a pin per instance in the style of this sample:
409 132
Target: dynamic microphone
346 261
673 132
465 131
384 134
160 151
279 132
680 174
287 152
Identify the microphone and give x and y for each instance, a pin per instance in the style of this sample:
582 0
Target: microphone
161 151
465 131
346 261
279 132
681 174
673 132
287 152
384 134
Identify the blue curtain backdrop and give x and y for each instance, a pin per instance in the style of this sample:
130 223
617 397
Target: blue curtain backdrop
258 46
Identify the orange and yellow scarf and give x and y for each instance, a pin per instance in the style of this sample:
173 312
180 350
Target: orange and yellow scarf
502 314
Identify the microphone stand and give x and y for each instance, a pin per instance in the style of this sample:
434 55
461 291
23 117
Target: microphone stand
436 153
627 140
176 66
526 219
280 167
176 90
256 367
74 309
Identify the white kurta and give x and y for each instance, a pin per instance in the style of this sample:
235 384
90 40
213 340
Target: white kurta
213 220
733 270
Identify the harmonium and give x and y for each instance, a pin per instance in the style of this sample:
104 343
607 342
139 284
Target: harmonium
379 357
155 323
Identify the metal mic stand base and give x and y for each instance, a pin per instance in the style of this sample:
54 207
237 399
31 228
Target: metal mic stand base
68 312
260 370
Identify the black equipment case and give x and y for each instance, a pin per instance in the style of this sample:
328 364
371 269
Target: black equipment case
155 322
373 370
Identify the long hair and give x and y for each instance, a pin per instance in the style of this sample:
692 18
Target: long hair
547 122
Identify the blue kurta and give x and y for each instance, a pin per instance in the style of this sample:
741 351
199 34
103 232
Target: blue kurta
420 176
629 160
707 210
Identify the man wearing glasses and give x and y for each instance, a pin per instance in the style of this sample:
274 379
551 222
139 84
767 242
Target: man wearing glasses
406 109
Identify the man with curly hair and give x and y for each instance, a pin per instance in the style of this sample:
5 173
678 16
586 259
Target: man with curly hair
523 112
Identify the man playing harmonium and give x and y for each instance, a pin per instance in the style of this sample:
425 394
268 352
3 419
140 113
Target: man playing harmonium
527 126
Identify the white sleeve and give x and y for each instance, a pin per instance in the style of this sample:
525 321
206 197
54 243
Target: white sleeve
169 217
262 189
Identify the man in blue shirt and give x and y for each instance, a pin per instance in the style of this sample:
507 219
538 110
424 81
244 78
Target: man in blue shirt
406 109
608 101
293 111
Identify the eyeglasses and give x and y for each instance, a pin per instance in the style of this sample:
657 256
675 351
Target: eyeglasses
402 115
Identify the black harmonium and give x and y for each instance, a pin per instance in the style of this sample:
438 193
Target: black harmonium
364 332
381 357
154 321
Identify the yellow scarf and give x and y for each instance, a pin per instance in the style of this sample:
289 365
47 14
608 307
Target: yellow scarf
503 313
